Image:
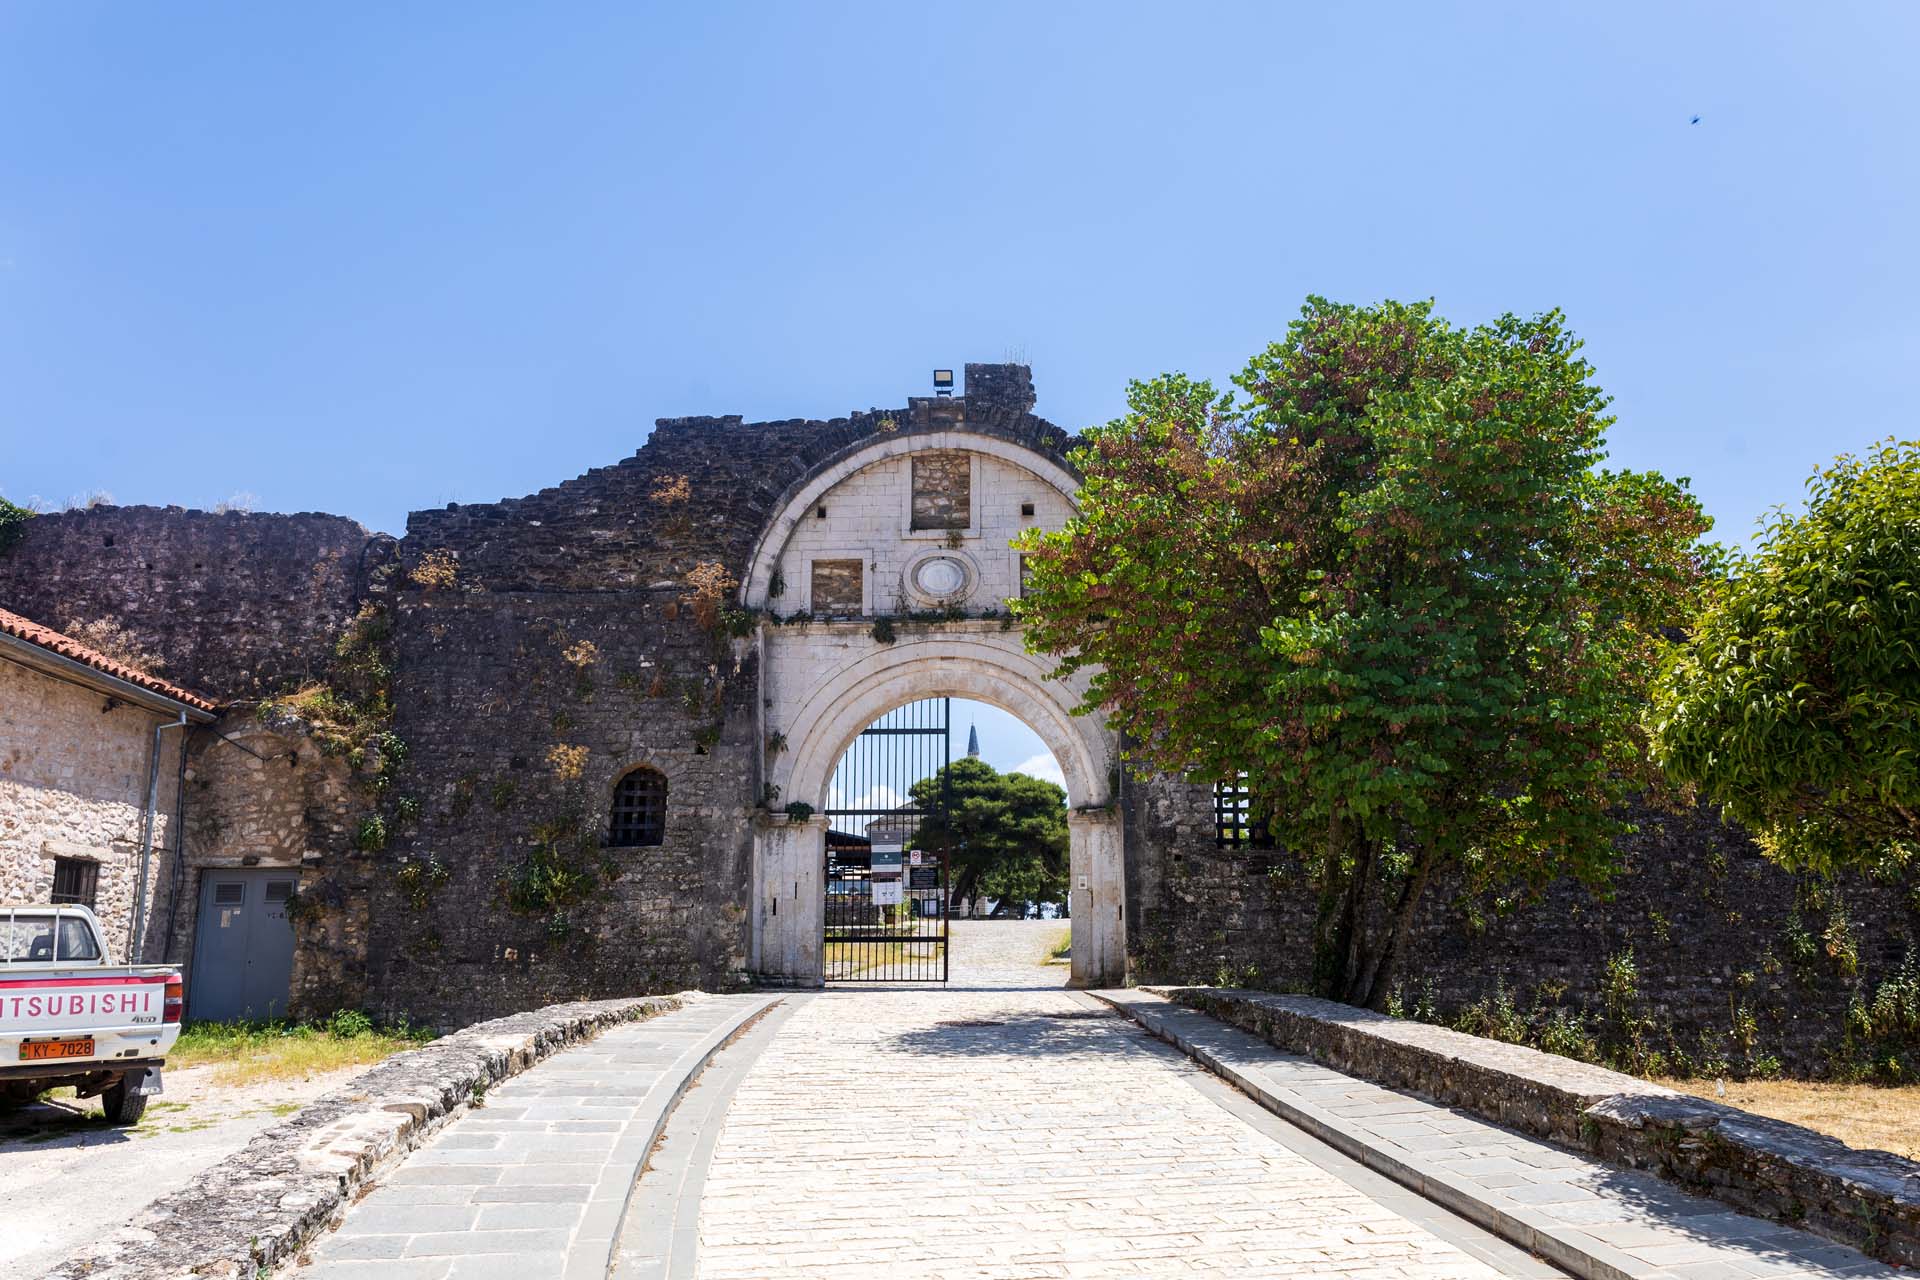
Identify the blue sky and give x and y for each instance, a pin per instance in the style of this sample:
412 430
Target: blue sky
1006 742
368 259
371 259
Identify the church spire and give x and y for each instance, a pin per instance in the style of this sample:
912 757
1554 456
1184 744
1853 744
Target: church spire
973 742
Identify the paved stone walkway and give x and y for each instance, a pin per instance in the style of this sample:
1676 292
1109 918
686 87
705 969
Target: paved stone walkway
533 1185
994 1131
1000 1128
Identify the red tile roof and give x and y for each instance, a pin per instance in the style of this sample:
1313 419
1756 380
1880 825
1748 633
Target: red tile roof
67 647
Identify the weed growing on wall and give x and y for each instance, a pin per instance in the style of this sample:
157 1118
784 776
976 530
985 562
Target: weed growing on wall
117 642
566 867
567 762
438 570
1883 1030
371 837
419 879
707 587
351 713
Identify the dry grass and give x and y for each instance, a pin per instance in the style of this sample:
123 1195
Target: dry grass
850 958
1860 1115
252 1053
1063 949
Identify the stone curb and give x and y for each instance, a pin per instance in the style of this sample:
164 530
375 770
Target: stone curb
1867 1199
258 1208
590 1255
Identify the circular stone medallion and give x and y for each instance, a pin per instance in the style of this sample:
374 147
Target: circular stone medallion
940 576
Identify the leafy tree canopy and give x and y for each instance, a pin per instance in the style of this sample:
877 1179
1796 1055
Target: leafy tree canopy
1005 833
1391 584
1796 706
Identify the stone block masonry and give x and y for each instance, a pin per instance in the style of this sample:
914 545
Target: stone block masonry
1736 965
836 587
942 491
73 784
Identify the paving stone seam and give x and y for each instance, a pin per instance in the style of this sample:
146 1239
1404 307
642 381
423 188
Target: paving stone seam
659 1230
1516 1224
592 1252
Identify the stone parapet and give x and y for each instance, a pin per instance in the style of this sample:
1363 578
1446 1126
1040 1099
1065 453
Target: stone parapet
1867 1199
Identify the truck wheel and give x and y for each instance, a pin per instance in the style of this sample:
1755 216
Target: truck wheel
121 1103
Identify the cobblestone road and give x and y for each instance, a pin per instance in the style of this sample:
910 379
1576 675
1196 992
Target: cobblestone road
1001 1128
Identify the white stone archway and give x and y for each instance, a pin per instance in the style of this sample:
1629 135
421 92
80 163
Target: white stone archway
825 679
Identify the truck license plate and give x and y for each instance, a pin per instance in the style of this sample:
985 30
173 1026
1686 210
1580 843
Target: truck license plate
38 1050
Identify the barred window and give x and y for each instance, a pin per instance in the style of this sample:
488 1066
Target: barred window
1234 822
76 881
639 809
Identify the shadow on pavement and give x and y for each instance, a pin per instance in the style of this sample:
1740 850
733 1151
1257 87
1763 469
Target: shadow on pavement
987 1034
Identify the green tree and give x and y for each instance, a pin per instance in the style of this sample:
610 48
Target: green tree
1796 703
13 523
1005 833
1392 586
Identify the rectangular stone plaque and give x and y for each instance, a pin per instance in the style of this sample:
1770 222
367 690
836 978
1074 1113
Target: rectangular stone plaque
836 586
942 491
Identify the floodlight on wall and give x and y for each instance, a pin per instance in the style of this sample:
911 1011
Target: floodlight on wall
943 382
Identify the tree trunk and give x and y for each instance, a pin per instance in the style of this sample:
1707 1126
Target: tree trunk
1399 924
1359 940
963 891
1333 923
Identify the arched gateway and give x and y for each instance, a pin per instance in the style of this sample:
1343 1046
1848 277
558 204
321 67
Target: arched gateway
890 569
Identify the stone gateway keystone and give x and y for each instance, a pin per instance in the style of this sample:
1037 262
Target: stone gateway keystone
576 745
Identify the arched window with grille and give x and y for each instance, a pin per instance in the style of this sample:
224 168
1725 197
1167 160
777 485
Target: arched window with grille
639 809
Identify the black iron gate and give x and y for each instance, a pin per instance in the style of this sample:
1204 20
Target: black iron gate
886 909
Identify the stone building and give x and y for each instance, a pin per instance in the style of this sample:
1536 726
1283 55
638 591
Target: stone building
545 748
91 754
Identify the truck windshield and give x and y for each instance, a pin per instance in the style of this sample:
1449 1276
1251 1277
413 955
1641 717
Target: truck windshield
41 938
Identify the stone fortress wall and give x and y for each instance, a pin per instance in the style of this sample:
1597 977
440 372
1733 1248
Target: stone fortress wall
236 604
1732 960
541 647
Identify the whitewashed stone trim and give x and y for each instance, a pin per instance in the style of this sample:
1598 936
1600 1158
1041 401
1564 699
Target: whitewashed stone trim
799 504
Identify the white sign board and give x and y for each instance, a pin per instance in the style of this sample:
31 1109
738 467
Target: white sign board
889 893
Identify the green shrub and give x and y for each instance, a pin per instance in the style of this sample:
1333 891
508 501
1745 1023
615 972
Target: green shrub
350 1024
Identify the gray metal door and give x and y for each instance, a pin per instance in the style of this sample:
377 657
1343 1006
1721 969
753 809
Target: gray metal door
243 948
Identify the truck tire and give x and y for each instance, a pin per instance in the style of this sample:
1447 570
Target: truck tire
121 1103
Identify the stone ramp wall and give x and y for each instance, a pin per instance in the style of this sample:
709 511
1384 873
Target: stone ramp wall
1868 1199
256 1210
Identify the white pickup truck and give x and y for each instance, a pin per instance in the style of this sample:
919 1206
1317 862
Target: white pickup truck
68 1016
